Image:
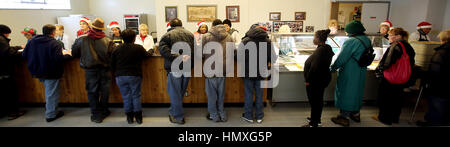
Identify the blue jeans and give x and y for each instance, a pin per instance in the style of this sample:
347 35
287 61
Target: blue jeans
249 87
438 111
176 87
52 93
130 87
215 90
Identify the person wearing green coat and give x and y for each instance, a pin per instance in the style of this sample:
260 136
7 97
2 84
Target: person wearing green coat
351 77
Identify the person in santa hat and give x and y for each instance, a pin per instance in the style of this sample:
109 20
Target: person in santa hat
422 32
29 33
385 27
202 28
84 26
116 36
144 38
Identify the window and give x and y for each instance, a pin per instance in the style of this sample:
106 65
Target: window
35 4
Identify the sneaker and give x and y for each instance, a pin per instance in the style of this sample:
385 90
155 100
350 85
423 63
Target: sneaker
259 121
247 120
309 121
96 119
341 121
58 115
223 119
208 117
173 120
356 118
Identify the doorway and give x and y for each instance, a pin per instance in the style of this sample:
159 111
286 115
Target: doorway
371 14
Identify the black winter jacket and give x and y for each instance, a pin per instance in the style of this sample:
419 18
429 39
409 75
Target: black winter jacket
127 59
99 57
394 53
257 36
438 76
317 66
7 56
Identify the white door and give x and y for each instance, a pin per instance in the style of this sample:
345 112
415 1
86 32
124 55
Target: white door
373 14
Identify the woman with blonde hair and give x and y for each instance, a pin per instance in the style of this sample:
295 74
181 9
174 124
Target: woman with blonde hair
144 39
438 113
333 26
390 96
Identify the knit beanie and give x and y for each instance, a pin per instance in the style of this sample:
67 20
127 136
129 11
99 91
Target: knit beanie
355 27
4 29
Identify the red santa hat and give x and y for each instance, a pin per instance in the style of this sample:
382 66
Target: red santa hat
424 25
262 27
199 24
114 24
386 23
85 19
168 26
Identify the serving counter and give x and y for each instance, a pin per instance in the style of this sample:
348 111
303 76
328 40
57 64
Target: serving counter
153 85
295 48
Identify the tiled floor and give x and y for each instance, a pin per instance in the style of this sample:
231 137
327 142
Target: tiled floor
282 115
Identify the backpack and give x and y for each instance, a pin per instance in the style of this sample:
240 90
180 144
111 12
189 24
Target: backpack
368 55
400 72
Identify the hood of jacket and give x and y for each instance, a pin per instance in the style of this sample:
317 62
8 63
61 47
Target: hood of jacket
96 34
258 34
219 32
42 39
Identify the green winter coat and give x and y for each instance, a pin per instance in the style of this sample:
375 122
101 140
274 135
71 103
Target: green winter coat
351 77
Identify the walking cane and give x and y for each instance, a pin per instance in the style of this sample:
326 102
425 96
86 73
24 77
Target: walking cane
417 104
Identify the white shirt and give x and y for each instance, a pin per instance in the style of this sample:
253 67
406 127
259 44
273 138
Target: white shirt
416 36
67 41
148 42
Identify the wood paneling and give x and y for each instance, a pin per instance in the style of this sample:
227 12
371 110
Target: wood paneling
153 86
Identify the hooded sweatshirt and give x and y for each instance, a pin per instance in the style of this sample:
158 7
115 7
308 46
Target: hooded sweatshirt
219 34
45 57
256 35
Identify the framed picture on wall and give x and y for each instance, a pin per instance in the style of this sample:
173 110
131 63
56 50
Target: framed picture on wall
300 15
201 13
275 16
171 13
309 29
233 13
295 26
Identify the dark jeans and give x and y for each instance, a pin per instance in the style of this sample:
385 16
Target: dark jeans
390 102
251 86
130 88
98 82
10 98
315 97
438 111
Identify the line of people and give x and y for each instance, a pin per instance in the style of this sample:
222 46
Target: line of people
99 55
395 72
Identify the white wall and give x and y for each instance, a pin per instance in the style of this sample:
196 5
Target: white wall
446 24
113 10
17 20
251 11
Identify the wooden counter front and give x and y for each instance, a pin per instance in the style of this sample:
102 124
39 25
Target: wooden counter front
153 86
